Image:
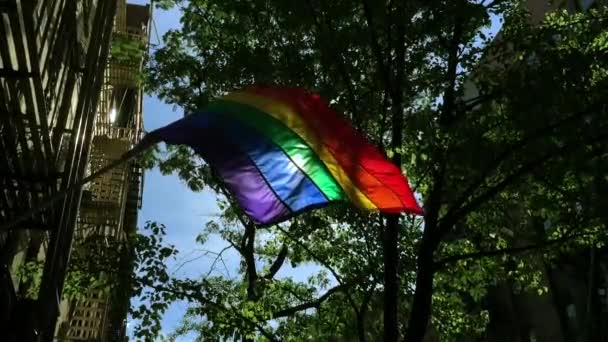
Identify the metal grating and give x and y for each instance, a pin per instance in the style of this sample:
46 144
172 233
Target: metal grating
105 197
88 319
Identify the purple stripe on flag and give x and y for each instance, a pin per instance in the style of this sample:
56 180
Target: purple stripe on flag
234 166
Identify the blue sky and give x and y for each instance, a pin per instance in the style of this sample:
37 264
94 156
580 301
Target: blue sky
167 200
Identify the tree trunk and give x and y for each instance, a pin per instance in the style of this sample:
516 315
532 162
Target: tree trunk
391 280
560 308
423 297
361 325
433 231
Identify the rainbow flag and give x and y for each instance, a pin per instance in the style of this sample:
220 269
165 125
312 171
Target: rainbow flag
283 151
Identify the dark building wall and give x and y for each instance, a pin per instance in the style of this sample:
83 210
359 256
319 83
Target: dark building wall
574 309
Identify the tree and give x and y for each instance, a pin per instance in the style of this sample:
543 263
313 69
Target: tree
488 168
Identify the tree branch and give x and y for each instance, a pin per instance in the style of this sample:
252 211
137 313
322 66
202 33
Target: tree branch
390 240
564 193
363 312
400 47
511 150
432 234
377 50
449 97
383 121
278 262
195 293
492 3
454 215
247 245
337 57
504 251
322 262
205 253
252 275
312 304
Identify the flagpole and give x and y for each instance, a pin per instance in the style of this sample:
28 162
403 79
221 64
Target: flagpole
142 146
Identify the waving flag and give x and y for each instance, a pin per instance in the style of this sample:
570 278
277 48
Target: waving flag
283 151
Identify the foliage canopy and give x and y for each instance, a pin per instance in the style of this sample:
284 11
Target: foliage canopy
503 139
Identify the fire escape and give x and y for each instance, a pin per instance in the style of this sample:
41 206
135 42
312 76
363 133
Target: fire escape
65 110
109 206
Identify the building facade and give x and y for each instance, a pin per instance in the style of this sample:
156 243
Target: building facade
71 102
